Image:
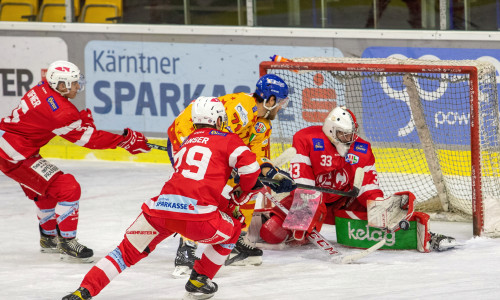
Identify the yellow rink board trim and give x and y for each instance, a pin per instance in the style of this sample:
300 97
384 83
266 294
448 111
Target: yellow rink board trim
60 148
388 160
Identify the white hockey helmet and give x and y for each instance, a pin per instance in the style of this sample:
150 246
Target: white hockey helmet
206 110
66 72
341 128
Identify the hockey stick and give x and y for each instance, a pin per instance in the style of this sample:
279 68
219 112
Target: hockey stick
279 161
359 255
158 147
319 241
358 181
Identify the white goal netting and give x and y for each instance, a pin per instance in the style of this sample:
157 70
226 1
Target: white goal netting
417 115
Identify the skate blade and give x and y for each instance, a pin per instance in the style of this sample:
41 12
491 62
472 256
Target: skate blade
76 260
181 272
448 246
249 261
49 250
197 296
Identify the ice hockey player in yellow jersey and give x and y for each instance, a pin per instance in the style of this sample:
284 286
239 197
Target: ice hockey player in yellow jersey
249 116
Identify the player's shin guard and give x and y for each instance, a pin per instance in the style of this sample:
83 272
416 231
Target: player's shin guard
103 272
67 218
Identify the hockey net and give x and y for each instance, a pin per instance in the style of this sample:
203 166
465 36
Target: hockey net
433 126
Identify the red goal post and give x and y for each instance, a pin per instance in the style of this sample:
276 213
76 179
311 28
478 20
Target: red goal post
433 125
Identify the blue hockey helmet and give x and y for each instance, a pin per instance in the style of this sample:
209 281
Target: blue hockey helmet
272 85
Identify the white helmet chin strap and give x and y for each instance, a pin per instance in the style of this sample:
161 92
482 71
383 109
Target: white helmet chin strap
268 108
61 93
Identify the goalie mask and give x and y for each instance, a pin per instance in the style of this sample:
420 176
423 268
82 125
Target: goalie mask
272 85
206 110
65 72
341 128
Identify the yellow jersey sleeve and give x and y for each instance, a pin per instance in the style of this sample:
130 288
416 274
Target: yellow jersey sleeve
259 140
241 112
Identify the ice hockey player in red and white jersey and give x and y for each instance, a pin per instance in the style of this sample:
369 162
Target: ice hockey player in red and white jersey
190 204
44 112
327 157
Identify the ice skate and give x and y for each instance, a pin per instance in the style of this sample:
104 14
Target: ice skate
185 258
244 254
48 243
73 251
199 287
441 242
80 294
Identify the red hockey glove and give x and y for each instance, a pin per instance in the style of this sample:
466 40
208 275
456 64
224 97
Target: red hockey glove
238 197
134 142
87 119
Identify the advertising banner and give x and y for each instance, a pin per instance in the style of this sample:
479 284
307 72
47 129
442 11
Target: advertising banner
447 108
145 85
24 63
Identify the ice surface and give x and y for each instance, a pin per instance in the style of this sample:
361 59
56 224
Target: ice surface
112 193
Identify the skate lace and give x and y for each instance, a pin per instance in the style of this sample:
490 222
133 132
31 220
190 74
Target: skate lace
244 244
191 253
74 245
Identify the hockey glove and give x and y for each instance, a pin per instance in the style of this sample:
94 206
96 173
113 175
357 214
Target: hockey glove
87 119
134 142
286 183
238 197
235 176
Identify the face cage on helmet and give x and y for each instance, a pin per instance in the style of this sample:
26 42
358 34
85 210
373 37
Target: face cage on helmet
344 134
224 121
81 82
282 103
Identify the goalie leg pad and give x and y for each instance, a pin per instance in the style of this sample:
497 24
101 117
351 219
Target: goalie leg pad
273 232
423 234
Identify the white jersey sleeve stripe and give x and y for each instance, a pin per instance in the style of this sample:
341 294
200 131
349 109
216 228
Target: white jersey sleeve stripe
368 187
85 137
233 158
249 169
64 130
299 158
10 151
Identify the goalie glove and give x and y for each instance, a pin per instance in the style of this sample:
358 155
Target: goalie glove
392 213
286 183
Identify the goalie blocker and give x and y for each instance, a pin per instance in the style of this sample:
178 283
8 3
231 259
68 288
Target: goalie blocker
354 228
